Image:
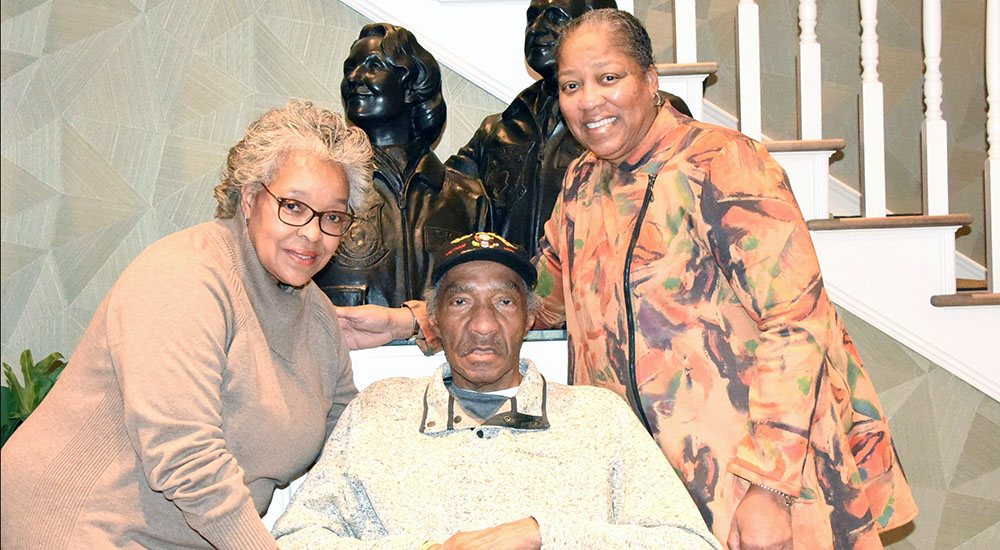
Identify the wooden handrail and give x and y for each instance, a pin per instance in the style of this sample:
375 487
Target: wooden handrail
680 69
790 145
966 299
889 222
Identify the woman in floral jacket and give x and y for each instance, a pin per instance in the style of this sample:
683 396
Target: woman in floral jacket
685 273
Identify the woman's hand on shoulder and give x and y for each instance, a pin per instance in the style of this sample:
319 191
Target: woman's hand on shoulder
371 326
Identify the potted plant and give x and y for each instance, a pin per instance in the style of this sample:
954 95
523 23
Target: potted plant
17 401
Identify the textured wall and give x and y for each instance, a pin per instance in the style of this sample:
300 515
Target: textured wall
900 70
117 115
948 437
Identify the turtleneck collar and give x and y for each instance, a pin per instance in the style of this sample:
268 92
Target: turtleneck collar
280 309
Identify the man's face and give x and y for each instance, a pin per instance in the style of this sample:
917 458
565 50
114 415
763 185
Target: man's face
482 317
546 20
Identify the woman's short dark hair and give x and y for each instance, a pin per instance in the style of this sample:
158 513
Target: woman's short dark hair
632 34
422 77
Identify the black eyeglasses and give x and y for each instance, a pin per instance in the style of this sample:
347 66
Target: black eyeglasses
297 213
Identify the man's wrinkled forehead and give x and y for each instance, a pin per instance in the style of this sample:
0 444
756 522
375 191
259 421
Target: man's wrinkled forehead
458 280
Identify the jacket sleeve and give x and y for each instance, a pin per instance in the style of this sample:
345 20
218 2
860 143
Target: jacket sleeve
762 245
169 323
651 508
468 160
318 514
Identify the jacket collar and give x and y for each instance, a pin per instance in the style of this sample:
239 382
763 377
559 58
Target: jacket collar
537 108
427 170
525 411
667 119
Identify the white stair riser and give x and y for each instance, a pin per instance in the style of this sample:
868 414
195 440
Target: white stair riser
689 88
887 277
809 174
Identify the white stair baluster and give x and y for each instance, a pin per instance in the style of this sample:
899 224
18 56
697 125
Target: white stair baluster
810 79
934 130
748 67
992 184
685 35
872 121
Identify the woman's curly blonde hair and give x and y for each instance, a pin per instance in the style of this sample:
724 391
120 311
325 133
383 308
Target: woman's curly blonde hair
298 126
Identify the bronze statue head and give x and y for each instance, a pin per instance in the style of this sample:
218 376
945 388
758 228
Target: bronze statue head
545 21
392 87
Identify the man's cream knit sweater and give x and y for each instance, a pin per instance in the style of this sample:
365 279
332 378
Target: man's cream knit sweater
406 464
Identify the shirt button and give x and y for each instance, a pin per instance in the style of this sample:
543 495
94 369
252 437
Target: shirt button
507 418
458 419
430 424
479 433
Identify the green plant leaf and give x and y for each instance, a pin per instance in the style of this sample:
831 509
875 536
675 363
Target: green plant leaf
8 373
17 390
7 402
20 400
49 370
28 396
8 422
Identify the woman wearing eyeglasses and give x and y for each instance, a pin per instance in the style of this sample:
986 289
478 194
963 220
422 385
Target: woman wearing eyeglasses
213 370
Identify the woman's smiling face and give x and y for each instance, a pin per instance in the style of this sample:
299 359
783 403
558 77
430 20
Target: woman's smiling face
292 255
606 98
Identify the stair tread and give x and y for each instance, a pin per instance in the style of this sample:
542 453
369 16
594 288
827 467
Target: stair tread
833 224
966 298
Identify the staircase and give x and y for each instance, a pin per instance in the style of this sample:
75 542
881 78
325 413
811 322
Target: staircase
898 273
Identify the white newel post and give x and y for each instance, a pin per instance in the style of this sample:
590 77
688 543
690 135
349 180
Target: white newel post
872 129
992 183
934 131
685 35
748 67
810 78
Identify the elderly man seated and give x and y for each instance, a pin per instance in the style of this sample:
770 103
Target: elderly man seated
485 453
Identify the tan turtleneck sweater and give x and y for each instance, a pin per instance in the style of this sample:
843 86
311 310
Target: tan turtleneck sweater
198 387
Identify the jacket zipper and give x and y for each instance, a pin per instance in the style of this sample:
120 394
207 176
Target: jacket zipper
629 318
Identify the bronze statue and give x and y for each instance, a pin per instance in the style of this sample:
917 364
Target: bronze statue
521 154
392 90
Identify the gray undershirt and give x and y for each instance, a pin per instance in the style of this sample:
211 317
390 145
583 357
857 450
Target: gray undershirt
483 405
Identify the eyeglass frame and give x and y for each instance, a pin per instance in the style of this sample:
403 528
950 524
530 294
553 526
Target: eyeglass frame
315 214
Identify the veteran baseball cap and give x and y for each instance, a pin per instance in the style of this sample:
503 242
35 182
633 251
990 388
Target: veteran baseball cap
484 246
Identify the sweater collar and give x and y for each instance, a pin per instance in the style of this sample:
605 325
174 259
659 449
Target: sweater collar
525 411
280 309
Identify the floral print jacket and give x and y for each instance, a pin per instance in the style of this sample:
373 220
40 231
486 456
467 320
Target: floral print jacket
740 366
